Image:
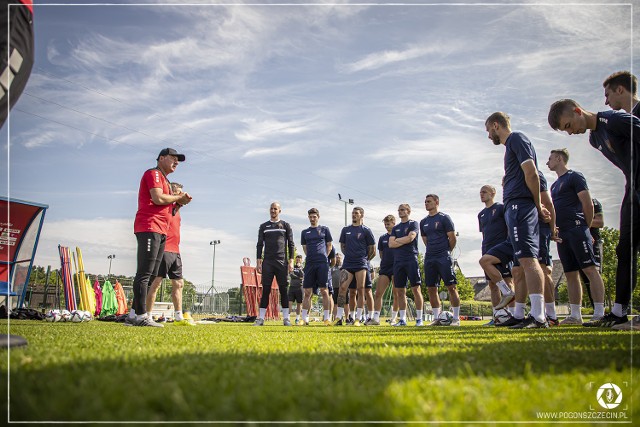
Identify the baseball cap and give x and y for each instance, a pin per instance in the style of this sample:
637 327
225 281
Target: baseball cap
171 152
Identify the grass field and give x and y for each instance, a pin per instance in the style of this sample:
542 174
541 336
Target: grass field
234 372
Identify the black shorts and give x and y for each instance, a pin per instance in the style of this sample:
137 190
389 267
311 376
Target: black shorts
171 266
295 294
367 280
21 55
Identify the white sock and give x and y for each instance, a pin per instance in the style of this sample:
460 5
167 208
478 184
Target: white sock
394 314
132 314
511 309
418 314
305 314
456 312
504 288
537 307
436 312
403 315
285 313
327 314
575 311
550 309
297 316
359 313
617 309
340 313
518 313
263 312
177 315
598 309
376 316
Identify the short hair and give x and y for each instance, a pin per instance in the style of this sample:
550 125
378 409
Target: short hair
359 209
299 256
562 152
406 206
389 218
491 188
558 109
313 211
433 196
624 79
501 118
176 186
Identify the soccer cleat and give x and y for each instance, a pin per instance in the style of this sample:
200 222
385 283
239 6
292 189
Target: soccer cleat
400 323
419 323
297 321
455 322
631 325
608 321
147 321
128 321
490 323
593 322
183 322
259 322
337 322
357 323
350 321
530 322
286 322
571 321
327 322
372 322
553 322
505 300
511 322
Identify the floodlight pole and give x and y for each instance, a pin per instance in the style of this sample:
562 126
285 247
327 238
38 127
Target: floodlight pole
346 202
110 257
213 243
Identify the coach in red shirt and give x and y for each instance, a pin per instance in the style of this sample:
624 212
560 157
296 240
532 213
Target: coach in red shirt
155 208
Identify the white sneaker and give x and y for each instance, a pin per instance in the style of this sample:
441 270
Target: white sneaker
570 321
259 322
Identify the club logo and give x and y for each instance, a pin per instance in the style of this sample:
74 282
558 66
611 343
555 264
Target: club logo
609 395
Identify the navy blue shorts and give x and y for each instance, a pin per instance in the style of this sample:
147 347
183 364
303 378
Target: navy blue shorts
504 252
439 268
386 270
544 254
316 275
408 270
367 279
521 216
576 249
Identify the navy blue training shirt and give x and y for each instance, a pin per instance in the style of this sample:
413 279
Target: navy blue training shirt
492 225
564 191
518 149
435 229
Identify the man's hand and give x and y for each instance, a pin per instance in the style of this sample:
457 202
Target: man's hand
185 199
290 265
554 235
259 266
544 214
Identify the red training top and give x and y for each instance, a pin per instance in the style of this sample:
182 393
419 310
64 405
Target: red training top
28 3
152 218
173 236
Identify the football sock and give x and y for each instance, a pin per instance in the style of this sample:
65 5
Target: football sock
537 307
359 313
285 313
456 312
504 288
376 316
617 309
305 315
327 314
598 309
403 315
132 314
394 314
436 313
340 313
575 311
178 316
263 312
550 309
518 313
418 314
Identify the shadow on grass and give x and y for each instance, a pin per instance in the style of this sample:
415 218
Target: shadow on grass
342 375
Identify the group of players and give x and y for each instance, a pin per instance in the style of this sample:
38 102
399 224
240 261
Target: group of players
516 234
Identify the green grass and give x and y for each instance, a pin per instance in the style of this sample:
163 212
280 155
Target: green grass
232 372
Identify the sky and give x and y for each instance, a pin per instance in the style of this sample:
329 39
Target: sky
382 104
